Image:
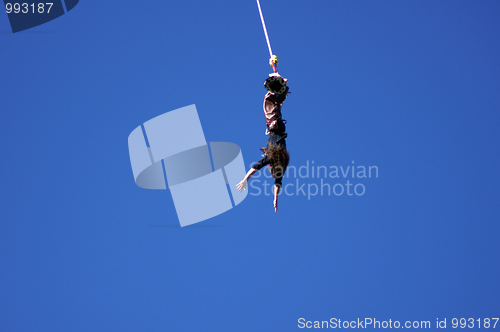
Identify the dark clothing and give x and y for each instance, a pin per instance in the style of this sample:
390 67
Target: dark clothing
273 140
272 111
263 162
277 139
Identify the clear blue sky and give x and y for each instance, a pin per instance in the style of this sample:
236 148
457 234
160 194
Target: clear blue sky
412 87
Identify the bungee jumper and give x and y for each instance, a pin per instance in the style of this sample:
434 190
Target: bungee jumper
275 154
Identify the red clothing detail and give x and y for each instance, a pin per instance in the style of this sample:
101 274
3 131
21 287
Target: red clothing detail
272 109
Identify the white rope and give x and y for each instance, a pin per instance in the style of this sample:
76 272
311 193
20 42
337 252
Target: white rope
265 30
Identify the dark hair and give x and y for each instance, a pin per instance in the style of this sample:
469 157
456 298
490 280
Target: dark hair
279 159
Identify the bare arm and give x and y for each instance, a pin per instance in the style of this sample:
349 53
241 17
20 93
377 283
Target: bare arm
243 184
276 192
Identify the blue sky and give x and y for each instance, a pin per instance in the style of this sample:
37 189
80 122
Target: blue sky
411 87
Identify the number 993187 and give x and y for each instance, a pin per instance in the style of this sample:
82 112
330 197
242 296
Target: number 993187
25 8
471 323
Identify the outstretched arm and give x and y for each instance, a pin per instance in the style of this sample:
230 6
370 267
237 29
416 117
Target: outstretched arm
276 192
243 184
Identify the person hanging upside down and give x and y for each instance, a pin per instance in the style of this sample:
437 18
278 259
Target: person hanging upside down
275 153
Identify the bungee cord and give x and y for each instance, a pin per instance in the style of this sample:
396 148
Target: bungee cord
265 29
273 58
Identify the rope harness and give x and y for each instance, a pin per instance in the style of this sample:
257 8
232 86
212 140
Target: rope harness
275 83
